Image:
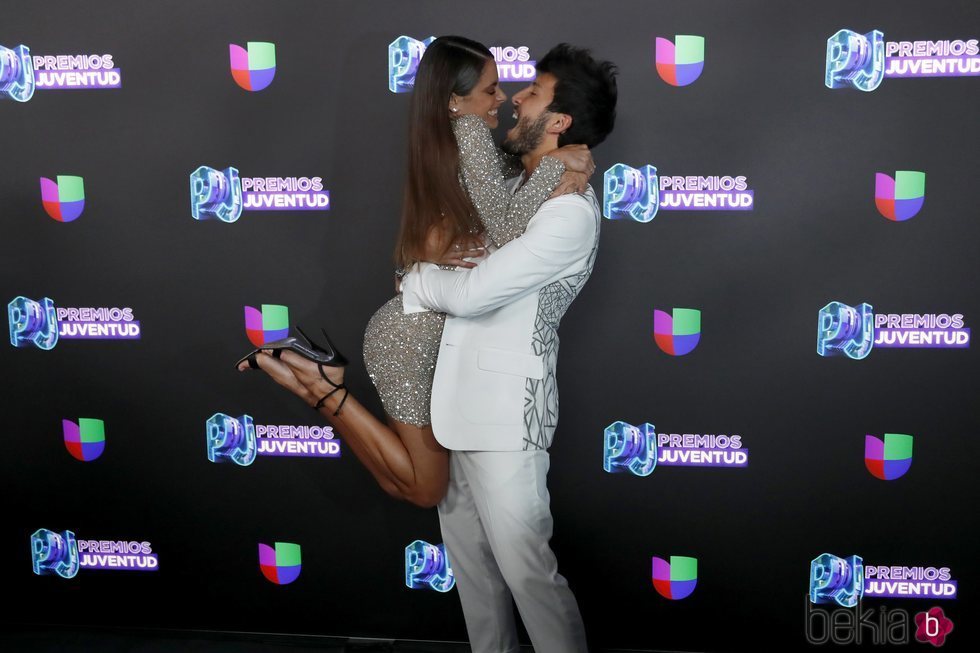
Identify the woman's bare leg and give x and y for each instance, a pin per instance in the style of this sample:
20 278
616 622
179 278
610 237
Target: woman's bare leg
406 460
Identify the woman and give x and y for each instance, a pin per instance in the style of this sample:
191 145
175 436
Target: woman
454 200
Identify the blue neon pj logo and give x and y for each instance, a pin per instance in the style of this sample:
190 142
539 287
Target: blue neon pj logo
54 553
837 580
404 55
630 449
33 323
855 61
845 330
216 194
231 439
16 73
427 567
629 193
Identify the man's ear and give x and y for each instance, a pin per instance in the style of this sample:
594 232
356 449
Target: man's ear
559 124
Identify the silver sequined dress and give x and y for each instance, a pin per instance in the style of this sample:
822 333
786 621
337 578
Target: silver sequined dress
400 350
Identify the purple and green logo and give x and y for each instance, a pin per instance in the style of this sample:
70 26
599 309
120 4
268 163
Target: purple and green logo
253 69
890 458
901 197
269 324
675 579
677 334
281 564
680 62
63 199
84 439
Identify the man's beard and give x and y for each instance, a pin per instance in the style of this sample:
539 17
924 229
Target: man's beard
527 137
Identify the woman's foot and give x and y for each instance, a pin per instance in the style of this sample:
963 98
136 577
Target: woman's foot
308 373
280 373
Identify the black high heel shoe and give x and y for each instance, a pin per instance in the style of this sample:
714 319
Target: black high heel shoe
329 356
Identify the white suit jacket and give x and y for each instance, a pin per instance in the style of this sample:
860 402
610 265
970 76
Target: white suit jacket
494 386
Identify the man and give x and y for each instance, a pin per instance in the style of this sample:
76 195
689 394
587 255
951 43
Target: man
494 397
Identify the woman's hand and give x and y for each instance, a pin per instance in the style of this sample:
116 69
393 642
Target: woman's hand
571 182
577 158
466 247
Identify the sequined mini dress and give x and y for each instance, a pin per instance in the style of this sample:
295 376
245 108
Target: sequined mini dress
400 350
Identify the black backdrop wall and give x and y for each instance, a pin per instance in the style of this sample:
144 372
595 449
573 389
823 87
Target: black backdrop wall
760 109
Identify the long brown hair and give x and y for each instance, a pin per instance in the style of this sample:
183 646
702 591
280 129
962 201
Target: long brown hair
434 198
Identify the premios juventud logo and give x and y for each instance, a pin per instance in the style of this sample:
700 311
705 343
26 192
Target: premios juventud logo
835 611
63 554
514 63
863 61
21 73
639 194
853 331
640 449
41 324
223 195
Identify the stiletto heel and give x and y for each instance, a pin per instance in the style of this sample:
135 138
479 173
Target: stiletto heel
306 348
332 356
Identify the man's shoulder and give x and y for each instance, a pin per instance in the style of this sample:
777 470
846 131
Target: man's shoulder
572 206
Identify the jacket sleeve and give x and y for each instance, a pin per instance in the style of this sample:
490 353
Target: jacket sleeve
504 215
559 237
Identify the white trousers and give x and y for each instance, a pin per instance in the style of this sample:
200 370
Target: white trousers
496 523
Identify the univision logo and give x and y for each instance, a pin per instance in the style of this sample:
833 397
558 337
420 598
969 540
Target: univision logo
890 458
901 197
253 69
280 565
84 439
679 332
676 579
266 324
680 62
63 199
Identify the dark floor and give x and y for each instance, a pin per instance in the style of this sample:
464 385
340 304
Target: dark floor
14 639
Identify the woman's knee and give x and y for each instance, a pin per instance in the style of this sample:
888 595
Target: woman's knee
427 495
